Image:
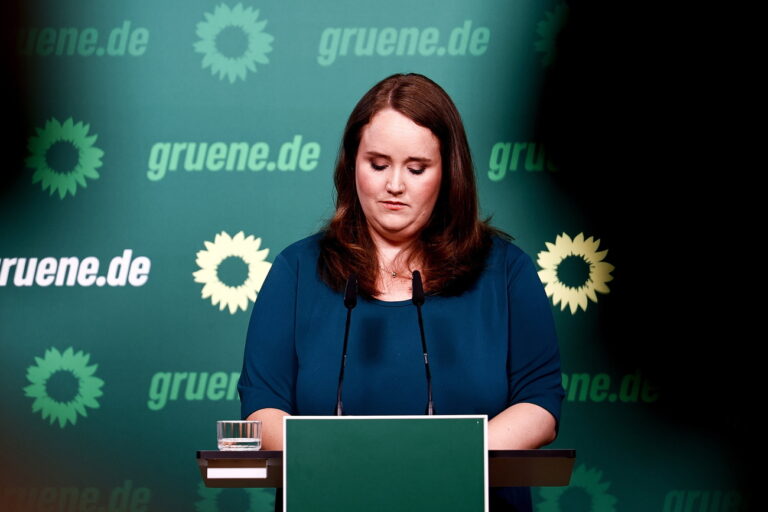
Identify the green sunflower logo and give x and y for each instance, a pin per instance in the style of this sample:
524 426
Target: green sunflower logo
548 29
63 385
63 156
232 270
586 492
248 499
573 270
233 41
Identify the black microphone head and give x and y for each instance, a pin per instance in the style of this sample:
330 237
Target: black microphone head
418 289
350 292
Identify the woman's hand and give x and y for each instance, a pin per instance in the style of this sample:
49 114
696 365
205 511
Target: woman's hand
521 426
271 427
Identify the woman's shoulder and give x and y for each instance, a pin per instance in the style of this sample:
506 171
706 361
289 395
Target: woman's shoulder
305 249
509 260
513 263
503 250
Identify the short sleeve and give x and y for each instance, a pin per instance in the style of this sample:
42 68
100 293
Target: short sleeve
268 379
534 357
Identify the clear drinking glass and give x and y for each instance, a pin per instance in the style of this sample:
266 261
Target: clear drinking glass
235 435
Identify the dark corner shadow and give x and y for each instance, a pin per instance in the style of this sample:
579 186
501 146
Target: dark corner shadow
610 117
17 99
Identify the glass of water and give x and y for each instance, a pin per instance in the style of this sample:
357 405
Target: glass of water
239 435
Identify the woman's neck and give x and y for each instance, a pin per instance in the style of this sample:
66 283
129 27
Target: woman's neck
395 268
387 246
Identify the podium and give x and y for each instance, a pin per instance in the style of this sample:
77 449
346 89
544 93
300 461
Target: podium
331 466
506 468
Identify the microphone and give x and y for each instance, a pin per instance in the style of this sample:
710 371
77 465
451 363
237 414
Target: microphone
350 301
418 301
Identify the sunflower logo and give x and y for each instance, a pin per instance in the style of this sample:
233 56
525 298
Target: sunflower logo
248 499
548 29
233 41
572 270
586 492
232 269
63 156
63 385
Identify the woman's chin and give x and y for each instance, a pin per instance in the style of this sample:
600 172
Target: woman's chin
396 232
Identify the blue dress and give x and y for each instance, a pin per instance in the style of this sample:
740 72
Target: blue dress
491 347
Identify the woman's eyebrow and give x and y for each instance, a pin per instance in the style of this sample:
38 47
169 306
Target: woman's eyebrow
376 154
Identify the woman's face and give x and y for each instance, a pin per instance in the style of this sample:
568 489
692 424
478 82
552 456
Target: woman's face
397 173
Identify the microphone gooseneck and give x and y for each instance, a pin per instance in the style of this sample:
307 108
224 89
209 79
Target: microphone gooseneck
350 301
418 301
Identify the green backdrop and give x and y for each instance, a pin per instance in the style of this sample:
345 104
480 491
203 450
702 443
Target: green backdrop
164 152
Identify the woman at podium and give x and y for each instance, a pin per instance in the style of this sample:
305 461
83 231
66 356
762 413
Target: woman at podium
406 201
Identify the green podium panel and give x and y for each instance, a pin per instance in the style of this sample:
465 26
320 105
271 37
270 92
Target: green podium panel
385 463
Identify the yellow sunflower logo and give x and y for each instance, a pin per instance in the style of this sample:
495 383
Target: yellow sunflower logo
232 270
63 385
233 41
63 156
248 499
586 492
573 270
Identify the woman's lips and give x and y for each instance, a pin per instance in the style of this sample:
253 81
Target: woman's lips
393 205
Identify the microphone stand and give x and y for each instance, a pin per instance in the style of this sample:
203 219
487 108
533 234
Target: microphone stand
350 301
418 301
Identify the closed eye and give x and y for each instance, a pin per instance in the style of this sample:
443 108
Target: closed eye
384 166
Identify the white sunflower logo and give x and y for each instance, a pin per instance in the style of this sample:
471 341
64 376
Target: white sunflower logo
63 156
232 269
573 270
586 492
233 41
215 499
548 29
63 385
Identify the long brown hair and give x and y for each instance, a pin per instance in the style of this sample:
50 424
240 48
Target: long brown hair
453 245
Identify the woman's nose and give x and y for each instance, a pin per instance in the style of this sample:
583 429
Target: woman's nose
395 184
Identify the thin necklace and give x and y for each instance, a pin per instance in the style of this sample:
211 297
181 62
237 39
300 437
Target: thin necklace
393 273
